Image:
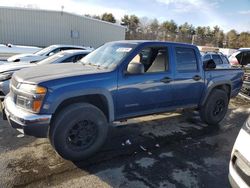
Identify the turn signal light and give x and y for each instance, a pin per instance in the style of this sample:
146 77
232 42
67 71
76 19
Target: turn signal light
37 105
41 90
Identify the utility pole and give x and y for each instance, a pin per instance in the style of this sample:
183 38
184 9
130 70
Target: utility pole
62 7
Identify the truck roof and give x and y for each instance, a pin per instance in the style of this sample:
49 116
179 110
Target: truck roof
152 41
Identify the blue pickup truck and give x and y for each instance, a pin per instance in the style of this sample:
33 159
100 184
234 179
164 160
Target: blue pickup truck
74 104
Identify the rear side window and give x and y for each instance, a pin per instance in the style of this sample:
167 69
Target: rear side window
225 60
217 59
206 57
185 59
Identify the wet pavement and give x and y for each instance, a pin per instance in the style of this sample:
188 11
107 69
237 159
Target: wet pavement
167 150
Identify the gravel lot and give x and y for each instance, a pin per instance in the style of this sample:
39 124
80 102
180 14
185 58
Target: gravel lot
167 150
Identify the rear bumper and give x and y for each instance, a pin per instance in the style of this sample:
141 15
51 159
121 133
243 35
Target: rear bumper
30 124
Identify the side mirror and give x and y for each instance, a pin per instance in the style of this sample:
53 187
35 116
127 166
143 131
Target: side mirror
51 53
135 68
209 64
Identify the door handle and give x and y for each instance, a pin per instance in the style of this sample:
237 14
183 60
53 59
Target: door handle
196 78
166 80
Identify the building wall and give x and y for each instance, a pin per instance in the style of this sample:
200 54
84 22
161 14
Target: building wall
43 28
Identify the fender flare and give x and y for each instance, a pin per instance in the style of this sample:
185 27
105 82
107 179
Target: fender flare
72 94
212 86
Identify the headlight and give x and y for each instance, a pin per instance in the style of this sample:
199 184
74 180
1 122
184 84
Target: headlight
5 76
33 98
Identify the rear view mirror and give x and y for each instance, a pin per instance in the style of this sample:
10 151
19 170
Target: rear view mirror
209 64
135 68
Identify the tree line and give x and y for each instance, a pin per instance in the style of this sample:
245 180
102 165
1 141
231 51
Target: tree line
169 30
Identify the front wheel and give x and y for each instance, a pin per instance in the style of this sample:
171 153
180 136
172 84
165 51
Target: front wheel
78 131
215 107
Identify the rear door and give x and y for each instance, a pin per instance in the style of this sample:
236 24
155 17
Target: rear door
188 80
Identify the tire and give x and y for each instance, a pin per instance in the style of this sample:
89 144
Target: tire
215 107
78 131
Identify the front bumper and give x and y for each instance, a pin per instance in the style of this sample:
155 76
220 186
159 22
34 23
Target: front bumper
239 167
30 124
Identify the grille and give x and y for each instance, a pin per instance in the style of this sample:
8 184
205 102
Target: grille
238 158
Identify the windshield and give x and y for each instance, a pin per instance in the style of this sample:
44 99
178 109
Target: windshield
108 55
50 59
44 51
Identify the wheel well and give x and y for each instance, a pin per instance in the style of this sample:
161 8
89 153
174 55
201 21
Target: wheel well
97 100
226 88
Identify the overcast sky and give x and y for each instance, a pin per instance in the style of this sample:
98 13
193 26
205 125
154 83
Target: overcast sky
228 14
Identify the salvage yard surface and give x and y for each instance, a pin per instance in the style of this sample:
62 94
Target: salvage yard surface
167 150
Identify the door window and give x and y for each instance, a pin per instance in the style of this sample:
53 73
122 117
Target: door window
78 57
69 59
217 59
185 59
54 52
224 59
154 59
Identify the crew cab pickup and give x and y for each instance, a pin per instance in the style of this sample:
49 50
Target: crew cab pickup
74 104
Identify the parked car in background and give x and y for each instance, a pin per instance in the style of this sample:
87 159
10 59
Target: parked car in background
7 50
239 166
240 58
118 81
7 70
220 59
44 53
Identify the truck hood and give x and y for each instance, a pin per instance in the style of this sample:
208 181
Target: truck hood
25 57
44 73
6 67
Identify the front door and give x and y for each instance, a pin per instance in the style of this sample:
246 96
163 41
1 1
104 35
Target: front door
148 92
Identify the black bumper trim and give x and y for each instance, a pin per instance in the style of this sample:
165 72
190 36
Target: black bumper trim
36 130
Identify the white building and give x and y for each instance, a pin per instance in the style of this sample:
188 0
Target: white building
43 28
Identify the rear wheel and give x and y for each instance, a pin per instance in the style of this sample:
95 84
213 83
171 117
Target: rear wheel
215 107
78 131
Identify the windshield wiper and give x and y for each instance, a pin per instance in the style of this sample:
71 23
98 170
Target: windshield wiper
92 64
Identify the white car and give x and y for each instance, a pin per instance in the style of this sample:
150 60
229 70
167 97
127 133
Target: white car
239 167
44 53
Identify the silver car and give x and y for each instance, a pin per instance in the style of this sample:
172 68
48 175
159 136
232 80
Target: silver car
44 53
220 59
7 69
